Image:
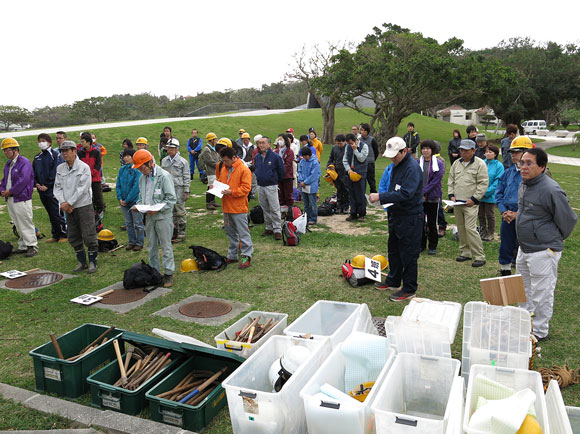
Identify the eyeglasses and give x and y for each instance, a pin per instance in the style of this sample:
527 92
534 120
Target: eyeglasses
527 163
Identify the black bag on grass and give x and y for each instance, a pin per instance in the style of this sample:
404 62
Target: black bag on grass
257 215
106 246
208 259
326 209
5 249
141 275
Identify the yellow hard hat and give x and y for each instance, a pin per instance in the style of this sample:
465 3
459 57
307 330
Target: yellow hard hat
358 261
225 141
530 426
210 136
241 131
142 140
361 391
9 143
354 177
331 175
245 136
520 143
380 258
188 265
106 235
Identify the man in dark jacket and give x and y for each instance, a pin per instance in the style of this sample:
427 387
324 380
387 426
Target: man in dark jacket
335 160
544 220
269 171
365 137
406 220
412 138
44 165
355 165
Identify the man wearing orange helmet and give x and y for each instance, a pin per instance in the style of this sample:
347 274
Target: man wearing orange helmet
156 187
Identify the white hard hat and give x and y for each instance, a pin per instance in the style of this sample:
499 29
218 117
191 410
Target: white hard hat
283 368
257 137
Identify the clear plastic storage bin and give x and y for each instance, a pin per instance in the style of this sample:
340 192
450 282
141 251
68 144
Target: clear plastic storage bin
558 418
574 418
332 319
495 336
325 415
515 379
243 349
416 395
254 407
409 336
443 313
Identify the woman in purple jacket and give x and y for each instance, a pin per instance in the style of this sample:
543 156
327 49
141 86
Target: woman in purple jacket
433 170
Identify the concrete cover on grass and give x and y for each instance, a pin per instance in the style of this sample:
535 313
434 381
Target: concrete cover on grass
124 308
173 311
29 290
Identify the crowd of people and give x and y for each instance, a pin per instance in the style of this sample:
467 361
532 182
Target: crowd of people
535 214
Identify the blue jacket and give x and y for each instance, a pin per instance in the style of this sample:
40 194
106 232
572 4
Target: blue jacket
197 148
506 193
44 165
269 168
495 170
386 178
312 149
405 189
309 173
128 184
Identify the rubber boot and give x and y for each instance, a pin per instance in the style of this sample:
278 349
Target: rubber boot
92 262
82 264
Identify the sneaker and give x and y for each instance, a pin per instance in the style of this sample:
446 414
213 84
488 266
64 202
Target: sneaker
210 206
380 286
63 240
545 338
401 296
441 233
267 232
505 272
245 262
278 236
462 258
137 248
52 240
478 263
168 280
20 251
30 252
361 218
351 218
432 252
231 261
130 247
123 228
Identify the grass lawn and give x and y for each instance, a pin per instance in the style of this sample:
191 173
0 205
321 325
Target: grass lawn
281 279
565 151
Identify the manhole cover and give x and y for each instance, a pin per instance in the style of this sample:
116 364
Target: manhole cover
35 280
379 324
205 309
124 296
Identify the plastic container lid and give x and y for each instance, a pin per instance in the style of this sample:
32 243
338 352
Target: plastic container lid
417 337
443 313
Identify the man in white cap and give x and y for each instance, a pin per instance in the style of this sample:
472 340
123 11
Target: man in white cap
406 219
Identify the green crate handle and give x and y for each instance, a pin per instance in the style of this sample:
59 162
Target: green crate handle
108 388
51 359
174 407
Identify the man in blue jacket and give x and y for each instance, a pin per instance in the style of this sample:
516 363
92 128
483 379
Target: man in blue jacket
406 218
194 146
269 170
127 194
44 165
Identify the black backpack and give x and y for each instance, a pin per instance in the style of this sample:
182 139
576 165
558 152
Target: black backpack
208 259
141 275
5 249
328 207
106 246
257 215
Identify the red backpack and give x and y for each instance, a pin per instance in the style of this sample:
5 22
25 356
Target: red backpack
293 213
289 235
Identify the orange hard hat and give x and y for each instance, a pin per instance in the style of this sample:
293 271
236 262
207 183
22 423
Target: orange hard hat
141 157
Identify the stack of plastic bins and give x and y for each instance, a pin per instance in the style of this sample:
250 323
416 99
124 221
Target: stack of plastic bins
495 335
416 337
254 407
558 418
105 395
331 416
192 418
515 379
332 319
442 313
243 349
416 395
54 375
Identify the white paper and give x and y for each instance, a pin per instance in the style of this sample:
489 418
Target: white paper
306 189
145 208
86 299
372 269
218 189
377 203
12 274
451 203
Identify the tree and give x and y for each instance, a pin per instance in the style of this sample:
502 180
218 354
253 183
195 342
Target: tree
402 73
13 115
313 70
100 108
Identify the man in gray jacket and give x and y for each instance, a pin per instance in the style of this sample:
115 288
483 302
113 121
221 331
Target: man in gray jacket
178 168
544 220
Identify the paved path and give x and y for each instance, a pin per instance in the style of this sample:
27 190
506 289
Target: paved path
550 142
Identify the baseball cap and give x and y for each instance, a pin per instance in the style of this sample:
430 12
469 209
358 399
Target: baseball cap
480 138
467 144
290 130
67 144
394 145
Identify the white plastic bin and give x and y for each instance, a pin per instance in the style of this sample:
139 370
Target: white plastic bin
254 408
456 405
325 415
416 395
332 319
516 379
574 418
410 336
443 313
245 350
495 336
557 416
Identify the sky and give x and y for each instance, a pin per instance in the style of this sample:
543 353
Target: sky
57 52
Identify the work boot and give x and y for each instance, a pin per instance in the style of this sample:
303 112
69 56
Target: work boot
92 262
31 251
210 206
168 280
82 264
215 204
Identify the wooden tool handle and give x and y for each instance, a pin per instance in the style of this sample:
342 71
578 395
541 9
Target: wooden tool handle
120 359
103 294
31 270
96 341
56 346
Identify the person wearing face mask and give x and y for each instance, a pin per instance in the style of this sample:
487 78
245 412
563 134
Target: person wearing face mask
285 184
44 166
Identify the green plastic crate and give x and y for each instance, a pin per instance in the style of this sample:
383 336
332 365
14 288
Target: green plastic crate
187 416
54 375
105 395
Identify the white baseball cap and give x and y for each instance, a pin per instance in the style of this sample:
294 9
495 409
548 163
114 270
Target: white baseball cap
394 145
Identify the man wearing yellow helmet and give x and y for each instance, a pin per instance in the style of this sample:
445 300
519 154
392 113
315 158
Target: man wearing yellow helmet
17 186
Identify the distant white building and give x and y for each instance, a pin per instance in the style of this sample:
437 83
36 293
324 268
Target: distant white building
458 115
